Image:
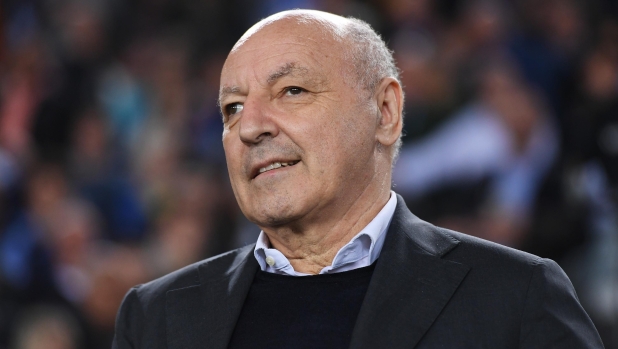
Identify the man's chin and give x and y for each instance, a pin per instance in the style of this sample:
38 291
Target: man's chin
272 221
272 206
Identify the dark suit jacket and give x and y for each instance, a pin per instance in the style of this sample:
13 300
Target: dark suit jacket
431 288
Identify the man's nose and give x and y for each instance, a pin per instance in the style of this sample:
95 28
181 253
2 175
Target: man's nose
257 121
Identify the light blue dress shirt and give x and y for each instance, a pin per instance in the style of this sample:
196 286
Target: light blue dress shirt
362 250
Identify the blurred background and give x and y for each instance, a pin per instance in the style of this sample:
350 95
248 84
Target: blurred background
112 171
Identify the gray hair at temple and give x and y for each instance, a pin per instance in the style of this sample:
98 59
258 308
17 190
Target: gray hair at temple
372 60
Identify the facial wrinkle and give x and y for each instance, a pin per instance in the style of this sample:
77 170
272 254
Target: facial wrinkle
269 149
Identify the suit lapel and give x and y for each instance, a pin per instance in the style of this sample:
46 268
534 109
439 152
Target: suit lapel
410 285
204 315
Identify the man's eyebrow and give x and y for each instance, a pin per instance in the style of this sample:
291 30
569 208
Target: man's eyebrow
290 68
287 69
226 91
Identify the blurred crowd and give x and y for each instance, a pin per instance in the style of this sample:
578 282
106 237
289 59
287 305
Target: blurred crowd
112 171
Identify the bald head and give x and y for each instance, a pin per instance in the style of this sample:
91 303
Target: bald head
369 59
328 23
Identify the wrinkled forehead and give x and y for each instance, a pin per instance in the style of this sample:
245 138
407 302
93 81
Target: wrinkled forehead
306 46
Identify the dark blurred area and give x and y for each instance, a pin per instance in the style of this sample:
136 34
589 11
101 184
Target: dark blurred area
112 171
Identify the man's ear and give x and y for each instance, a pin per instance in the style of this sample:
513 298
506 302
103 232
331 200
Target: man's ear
389 96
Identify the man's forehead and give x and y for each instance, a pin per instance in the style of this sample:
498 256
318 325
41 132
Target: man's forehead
288 69
297 43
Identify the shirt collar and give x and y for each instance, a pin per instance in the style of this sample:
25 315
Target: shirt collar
362 250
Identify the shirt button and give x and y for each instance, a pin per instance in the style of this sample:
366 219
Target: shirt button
270 261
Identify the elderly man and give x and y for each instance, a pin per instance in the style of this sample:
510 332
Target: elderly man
312 113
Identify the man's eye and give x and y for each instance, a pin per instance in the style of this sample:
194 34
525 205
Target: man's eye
233 108
293 90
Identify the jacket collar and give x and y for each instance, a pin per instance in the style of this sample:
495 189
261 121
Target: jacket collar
410 285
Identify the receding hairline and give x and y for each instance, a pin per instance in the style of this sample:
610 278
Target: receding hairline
357 41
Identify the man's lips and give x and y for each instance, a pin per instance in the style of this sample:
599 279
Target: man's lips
271 165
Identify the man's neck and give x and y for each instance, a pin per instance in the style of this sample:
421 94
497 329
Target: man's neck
314 249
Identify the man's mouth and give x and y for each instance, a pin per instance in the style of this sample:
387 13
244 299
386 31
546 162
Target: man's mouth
276 165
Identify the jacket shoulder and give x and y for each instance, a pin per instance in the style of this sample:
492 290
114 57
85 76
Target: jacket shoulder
189 276
451 245
493 266
480 251
515 297
140 322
